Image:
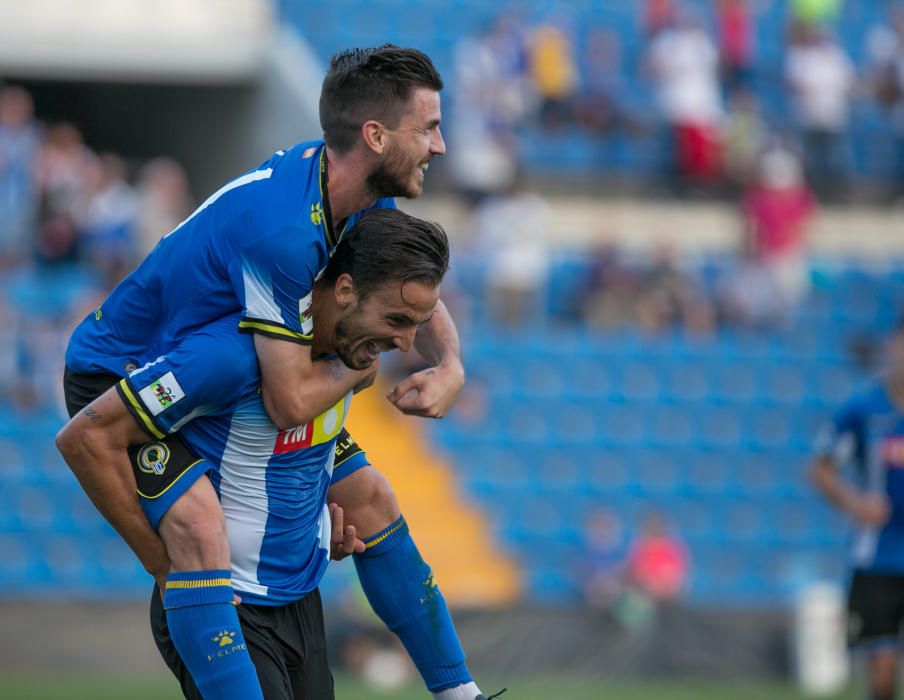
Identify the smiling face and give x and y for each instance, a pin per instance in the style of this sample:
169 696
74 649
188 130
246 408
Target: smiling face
384 320
409 148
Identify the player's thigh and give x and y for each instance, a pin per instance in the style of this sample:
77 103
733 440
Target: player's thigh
875 605
367 499
193 529
260 630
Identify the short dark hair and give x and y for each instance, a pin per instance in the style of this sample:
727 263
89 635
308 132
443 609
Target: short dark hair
388 245
374 83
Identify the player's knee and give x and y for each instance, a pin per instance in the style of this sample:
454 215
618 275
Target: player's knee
194 532
368 500
377 494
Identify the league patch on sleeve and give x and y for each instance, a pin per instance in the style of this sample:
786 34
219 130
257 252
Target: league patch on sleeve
162 393
306 314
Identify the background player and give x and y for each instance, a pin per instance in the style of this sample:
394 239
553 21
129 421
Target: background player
256 246
868 432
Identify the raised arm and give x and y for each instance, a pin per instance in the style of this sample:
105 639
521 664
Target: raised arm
430 392
94 444
295 389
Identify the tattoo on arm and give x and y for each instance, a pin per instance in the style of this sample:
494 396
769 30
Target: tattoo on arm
92 415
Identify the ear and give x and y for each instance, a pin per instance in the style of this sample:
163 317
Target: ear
344 290
374 135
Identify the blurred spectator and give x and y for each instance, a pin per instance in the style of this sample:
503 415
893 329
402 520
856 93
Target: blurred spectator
668 297
772 277
684 64
886 50
64 170
19 148
658 562
776 211
605 301
511 229
164 201
107 220
821 79
748 295
605 556
735 33
600 108
555 75
745 136
56 243
491 99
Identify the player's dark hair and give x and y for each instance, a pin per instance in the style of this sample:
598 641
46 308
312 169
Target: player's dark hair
374 83
388 245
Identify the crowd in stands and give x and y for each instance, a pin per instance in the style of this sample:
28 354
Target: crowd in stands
704 74
72 223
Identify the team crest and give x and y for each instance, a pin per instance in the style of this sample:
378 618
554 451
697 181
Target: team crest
316 214
308 152
153 457
162 393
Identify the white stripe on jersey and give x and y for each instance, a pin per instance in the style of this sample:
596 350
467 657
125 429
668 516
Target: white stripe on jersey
259 301
243 496
238 182
325 522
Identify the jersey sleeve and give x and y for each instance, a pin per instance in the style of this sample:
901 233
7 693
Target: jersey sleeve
205 375
274 278
840 439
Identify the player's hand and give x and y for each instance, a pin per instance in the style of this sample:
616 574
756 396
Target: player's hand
870 509
344 539
430 392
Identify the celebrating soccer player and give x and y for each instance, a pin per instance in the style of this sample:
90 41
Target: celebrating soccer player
255 248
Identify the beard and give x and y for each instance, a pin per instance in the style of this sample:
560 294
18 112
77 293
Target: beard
394 177
345 347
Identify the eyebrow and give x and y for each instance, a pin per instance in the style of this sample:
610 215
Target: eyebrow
402 317
432 124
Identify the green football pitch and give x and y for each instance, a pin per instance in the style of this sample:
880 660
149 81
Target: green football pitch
33 688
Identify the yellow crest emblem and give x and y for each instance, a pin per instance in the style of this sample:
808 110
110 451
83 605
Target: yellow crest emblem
316 214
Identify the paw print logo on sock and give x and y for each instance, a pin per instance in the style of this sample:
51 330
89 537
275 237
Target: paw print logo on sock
223 638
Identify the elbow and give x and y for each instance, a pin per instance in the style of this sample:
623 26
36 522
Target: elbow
70 446
289 413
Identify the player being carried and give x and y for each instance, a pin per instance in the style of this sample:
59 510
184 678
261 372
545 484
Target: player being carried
255 248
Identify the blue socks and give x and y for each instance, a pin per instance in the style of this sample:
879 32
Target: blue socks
205 630
400 588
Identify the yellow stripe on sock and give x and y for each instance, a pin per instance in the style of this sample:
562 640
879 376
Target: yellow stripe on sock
376 540
205 583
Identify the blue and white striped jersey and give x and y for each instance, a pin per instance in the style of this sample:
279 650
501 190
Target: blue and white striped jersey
272 483
254 247
868 432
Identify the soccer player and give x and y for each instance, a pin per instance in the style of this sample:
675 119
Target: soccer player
382 282
255 247
867 432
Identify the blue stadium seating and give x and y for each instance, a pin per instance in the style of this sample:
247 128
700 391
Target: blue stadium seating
435 27
714 434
